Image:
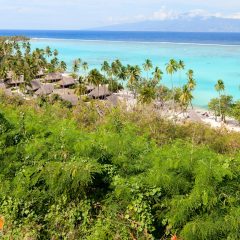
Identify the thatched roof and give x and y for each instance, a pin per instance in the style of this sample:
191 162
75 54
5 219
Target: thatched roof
100 92
90 88
67 81
34 85
67 95
72 98
53 77
17 81
45 89
113 99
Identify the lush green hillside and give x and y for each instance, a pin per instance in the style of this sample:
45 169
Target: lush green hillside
71 174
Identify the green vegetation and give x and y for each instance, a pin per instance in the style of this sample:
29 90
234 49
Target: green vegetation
69 174
91 171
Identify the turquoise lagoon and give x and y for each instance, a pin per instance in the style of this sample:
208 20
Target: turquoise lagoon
210 62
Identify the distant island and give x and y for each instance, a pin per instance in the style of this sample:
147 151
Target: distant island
181 24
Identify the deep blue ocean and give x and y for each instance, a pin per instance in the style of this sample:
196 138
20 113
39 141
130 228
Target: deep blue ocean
177 37
212 56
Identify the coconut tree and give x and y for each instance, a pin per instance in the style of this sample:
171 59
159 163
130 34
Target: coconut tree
147 66
134 73
85 68
185 97
95 78
63 66
48 51
105 68
181 67
219 87
123 74
190 73
157 75
76 66
81 87
191 84
172 68
147 92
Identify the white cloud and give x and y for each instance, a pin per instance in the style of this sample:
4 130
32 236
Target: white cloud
164 14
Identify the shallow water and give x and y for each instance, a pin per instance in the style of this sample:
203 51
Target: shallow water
209 62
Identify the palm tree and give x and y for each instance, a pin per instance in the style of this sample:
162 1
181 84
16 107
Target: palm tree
157 75
219 87
76 65
171 68
147 66
81 87
85 68
186 97
105 68
190 73
147 93
63 66
134 76
123 74
48 51
191 84
55 53
95 78
181 67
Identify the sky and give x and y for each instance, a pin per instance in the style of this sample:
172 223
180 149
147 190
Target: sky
87 14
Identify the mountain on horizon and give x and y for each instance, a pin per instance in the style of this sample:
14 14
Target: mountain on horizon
193 24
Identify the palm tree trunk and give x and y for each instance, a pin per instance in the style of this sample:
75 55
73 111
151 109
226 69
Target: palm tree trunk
220 106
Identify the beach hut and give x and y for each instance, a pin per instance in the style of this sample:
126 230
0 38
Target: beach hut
100 92
90 88
15 81
34 85
67 95
53 77
66 82
45 89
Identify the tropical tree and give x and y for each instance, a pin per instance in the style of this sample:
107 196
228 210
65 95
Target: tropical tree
219 87
147 66
147 92
157 75
48 51
85 68
76 65
171 68
181 67
134 74
95 78
185 98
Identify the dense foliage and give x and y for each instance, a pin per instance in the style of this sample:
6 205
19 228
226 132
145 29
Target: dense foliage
71 174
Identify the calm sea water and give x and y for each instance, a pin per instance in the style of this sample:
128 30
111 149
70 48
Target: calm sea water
212 56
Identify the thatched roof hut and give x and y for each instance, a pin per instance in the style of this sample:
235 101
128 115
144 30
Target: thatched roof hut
90 88
67 95
100 92
67 82
45 89
53 77
34 85
15 82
